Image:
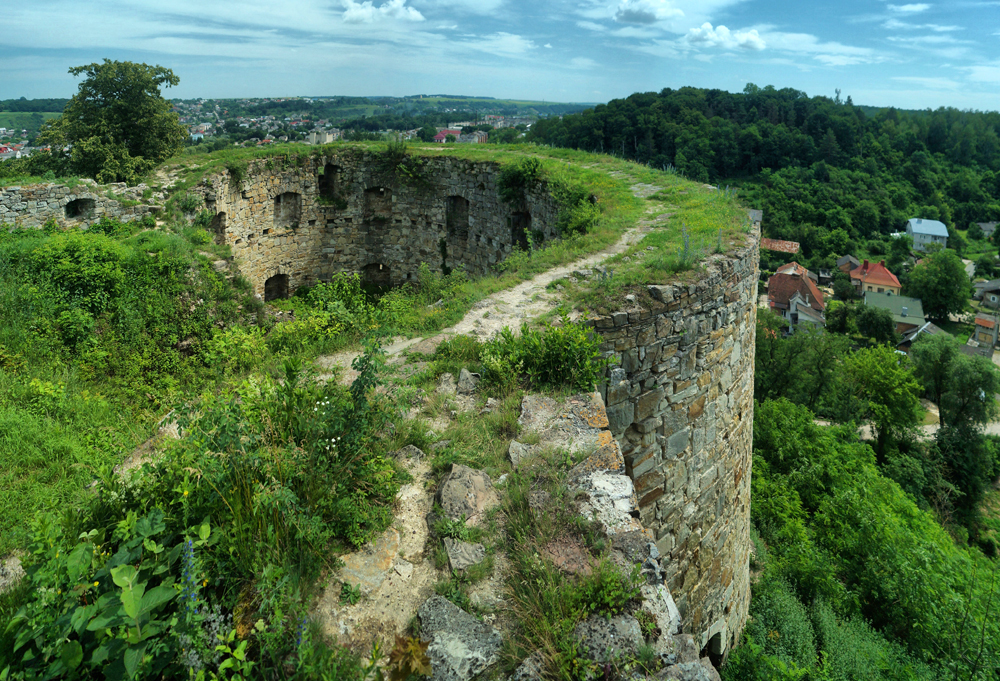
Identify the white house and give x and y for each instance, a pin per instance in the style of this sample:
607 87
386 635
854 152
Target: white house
925 232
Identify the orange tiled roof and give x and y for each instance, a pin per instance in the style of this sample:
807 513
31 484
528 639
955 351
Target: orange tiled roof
781 288
985 321
780 246
875 273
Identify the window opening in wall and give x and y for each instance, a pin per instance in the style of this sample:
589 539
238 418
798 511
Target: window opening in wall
378 203
276 287
376 275
520 223
443 248
457 217
218 228
714 650
329 181
80 208
287 210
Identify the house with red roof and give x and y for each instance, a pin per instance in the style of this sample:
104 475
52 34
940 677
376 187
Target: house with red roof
442 136
987 328
875 278
793 294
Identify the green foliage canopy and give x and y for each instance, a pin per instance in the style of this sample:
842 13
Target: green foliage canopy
941 283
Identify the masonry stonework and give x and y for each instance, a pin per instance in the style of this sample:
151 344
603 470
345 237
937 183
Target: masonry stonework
348 212
81 205
680 401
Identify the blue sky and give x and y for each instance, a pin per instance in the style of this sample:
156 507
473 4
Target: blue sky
906 54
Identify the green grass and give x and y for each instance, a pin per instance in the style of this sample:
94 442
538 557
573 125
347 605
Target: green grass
960 330
21 120
51 448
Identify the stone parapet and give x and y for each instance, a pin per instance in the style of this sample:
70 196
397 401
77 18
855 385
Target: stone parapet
80 205
680 402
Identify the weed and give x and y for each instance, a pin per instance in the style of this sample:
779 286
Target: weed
349 594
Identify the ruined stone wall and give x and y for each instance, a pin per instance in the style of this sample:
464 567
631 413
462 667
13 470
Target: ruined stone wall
351 212
680 401
82 205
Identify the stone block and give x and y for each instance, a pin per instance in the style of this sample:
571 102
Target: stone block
620 417
678 442
648 404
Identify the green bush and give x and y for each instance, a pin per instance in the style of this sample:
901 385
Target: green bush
517 178
567 355
236 349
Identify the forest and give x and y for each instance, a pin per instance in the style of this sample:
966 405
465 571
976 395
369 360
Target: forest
830 175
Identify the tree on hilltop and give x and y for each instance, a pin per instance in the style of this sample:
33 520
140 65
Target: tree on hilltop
941 283
119 125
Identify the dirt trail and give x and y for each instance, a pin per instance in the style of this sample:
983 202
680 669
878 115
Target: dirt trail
509 308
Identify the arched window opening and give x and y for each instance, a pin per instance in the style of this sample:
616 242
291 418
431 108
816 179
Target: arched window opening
276 287
80 208
376 274
329 181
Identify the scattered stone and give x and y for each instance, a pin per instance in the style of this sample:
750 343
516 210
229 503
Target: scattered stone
467 382
404 568
439 303
367 568
530 669
517 452
630 299
439 445
460 645
462 554
447 385
220 265
604 639
408 452
538 499
502 479
466 492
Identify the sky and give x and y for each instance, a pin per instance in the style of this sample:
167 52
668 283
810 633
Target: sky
904 54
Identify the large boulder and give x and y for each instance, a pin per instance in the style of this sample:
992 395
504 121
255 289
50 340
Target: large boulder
462 554
466 492
467 382
530 669
460 645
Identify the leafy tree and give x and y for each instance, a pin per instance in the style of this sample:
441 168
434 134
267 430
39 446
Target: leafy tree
940 283
876 324
881 379
840 317
842 286
899 252
119 124
427 133
931 358
450 138
986 266
975 231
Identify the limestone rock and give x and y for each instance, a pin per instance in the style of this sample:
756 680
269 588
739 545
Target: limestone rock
367 568
460 645
690 671
462 554
447 385
466 492
404 568
602 638
610 501
11 573
517 451
467 382
530 669
687 649
409 452
660 605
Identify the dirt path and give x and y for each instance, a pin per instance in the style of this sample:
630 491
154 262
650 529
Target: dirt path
509 308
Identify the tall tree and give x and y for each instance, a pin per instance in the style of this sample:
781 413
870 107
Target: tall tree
119 125
941 284
882 380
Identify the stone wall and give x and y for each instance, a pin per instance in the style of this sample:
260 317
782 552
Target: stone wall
81 205
680 401
351 212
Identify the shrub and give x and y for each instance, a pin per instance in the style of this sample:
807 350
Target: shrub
88 269
517 178
565 355
236 349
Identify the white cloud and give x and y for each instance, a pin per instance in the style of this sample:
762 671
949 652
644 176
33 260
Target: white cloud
984 73
929 83
582 63
501 44
547 46
366 12
913 8
646 11
897 25
721 36
470 6
591 26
